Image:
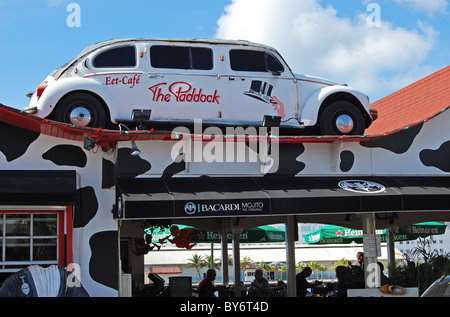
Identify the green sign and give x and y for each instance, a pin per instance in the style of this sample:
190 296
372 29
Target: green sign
331 234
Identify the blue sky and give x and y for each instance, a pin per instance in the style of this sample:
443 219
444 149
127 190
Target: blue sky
327 38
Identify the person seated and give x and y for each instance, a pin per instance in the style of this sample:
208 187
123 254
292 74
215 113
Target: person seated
303 284
206 287
260 286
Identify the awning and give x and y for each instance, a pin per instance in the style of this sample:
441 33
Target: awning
188 197
37 187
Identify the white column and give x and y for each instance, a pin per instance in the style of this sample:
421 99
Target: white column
224 243
291 230
236 258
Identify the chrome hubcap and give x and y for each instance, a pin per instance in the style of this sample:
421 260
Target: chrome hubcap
344 124
80 116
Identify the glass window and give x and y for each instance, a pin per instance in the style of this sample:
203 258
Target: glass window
45 224
169 57
254 61
273 64
124 56
44 249
202 58
28 238
177 57
17 224
246 60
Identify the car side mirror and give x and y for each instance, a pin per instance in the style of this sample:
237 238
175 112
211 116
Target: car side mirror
276 73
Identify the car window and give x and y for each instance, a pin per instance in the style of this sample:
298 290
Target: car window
273 64
254 61
178 57
124 56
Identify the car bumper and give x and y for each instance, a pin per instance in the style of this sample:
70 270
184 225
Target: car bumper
30 110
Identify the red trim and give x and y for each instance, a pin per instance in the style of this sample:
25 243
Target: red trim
64 238
69 239
109 138
61 238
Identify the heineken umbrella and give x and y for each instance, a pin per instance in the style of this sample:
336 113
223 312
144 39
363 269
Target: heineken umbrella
331 234
254 235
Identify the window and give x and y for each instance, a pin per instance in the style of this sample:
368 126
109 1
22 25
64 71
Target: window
177 57
254 61
124 56
27 239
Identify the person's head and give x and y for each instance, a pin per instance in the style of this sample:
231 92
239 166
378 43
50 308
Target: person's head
258 274
211 274
343 273
306 272
360 257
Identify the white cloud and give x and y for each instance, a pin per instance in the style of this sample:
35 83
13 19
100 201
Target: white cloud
315 40
54 3
429 6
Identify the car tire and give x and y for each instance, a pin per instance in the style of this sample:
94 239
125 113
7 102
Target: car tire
81 110
342 118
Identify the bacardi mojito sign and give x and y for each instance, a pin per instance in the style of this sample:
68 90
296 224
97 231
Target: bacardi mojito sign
225 208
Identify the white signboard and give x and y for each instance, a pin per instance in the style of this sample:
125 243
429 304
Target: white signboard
372 245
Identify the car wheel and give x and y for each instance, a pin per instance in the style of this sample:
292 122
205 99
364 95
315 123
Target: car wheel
81 110
342 118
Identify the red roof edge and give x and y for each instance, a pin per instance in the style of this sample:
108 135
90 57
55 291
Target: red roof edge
413 104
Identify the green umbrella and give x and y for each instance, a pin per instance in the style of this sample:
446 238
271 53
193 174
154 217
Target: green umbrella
253 235
331 234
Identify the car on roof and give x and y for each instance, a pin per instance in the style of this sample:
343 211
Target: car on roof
221 82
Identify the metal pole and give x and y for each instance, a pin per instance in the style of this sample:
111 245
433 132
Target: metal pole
224 242
370 256
291 224
390 233
236 260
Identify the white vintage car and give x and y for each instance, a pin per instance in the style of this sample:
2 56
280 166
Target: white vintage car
221 82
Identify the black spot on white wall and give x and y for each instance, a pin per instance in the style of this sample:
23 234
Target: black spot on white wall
66 155
176 167
347 160
104 261
86 206
287 159
15 141
398 142
131 166
439 158
108 174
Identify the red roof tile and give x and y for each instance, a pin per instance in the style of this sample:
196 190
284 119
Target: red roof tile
412 104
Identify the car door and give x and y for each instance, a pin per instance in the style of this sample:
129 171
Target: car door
181 84
258 84
119 69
